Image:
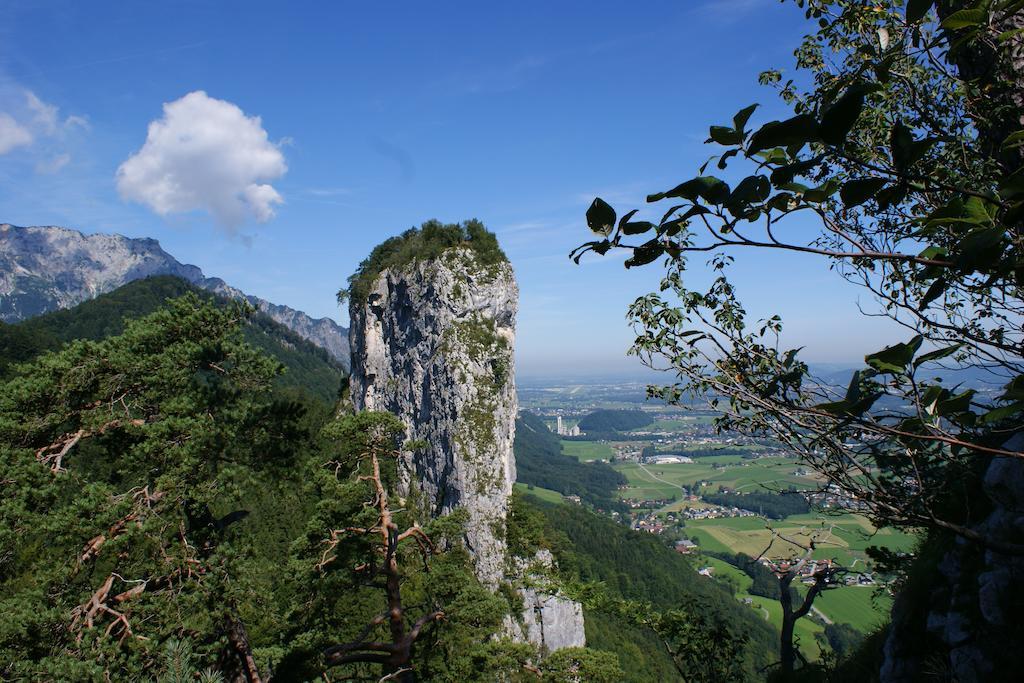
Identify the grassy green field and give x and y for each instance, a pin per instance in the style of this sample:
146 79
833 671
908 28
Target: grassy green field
849 537
587 450
543 494
731 471
859 606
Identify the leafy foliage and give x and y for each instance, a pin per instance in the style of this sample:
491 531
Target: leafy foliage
124 467
905 148
843 638
915 205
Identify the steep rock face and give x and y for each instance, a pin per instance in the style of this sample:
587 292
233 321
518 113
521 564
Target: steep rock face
549 621
48 268
433 344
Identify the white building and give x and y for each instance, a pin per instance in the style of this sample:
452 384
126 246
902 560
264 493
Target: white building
670 459
562 430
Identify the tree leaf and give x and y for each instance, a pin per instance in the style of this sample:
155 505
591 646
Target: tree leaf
755 188
739 121
883 37
1013 140
724 159
798 130
905 150
600 217
917 9
856 402
965 18
934 292
1003 412
725 136
856 192
625 218
894 359
937 354
980 247
822 192
838 120
891 196
645 253
709 188
636 227
958 404
785 174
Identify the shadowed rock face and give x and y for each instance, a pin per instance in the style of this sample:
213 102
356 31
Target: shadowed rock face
974 596
43 269
433 344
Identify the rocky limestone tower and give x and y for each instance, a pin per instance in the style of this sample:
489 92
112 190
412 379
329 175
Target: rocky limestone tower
432 342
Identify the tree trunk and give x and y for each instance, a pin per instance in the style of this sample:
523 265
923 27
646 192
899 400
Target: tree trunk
238 637
787 655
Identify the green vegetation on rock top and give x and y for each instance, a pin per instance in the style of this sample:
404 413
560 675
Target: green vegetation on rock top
426 242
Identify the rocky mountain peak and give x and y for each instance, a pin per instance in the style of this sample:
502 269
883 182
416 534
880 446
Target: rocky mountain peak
45 268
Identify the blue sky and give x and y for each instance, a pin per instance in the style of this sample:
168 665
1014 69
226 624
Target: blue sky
387 114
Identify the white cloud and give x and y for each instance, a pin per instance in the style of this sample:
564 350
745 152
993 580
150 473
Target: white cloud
50 166
44 116
329 191
12 133
27 121
76 122
205 154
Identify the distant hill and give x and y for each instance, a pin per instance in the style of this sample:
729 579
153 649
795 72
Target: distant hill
309 367
539 461
615 420
44 269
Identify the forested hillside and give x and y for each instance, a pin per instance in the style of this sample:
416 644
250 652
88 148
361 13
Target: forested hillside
540 461
164 508
308 367
765 503
615 420
631 566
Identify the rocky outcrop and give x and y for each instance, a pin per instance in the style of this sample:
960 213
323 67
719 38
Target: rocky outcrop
48 268
433 344
971 612
549 621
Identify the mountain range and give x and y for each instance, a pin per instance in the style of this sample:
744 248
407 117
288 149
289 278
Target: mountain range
47 268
